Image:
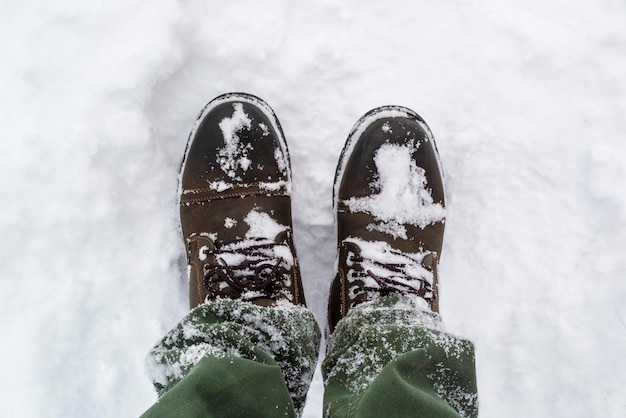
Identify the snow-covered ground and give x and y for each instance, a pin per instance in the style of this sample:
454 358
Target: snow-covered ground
527 101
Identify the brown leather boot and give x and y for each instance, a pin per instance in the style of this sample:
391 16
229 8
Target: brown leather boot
235 205
390 212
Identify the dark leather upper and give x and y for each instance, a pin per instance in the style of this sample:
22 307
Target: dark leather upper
236 164
358 177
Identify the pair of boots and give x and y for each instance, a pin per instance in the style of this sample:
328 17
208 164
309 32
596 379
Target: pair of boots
235 209
249 346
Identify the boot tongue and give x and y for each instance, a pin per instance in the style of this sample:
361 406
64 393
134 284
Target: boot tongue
380 252
265 240
376 269
252 251
250 269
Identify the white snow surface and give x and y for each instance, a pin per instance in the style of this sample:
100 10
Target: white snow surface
526 100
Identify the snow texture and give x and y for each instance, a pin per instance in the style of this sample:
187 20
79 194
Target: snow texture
526 100
375 334
400 184
227 328
377 256
262 225
253 255
229 222
234 155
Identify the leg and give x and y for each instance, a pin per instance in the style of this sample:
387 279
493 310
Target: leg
232 358
388 354
389 357
249 346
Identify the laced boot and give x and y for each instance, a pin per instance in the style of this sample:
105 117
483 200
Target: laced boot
389 210
235 205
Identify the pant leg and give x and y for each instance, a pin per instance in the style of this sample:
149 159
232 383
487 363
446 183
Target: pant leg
233 358
390 358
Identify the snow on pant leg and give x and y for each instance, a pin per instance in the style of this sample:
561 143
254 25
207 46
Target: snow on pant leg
390 358
232 358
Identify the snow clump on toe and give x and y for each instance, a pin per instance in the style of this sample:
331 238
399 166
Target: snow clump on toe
403 196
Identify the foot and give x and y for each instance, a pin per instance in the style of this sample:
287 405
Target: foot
235 205
390 212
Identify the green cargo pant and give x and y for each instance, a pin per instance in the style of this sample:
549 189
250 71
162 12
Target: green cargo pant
387 358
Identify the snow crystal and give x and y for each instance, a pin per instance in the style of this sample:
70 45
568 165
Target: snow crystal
231 126
229 222
264 128
356 134
234 154
245 163
262 225
232 259
203 253
392 227
210 235
220 186
284 252
275 185
402 197
279 156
